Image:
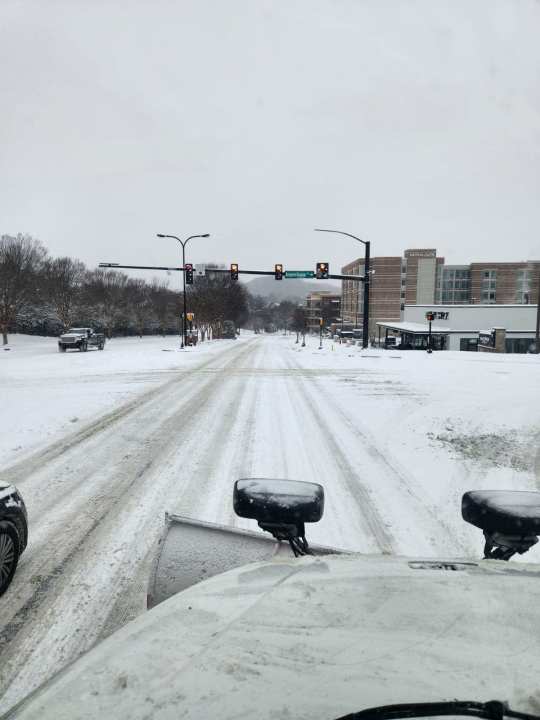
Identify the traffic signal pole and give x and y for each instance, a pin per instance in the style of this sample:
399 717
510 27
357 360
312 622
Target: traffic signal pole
184 334
365 319
537 333
365 280
354 278
234 271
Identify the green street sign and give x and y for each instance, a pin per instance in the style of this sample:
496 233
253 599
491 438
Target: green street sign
295 274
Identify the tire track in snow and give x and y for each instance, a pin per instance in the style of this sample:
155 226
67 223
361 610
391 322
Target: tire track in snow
237 461
19 636
188 495
211 478
24 468
104 503
537 463
368 512
367 509
390 469
308 460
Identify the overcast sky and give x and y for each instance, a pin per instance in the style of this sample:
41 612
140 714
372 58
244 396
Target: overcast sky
408 123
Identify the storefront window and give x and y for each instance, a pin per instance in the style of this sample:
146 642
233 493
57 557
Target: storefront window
519 345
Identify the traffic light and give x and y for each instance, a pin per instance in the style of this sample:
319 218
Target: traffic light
430 316
322 270
188 269
278 271
234 271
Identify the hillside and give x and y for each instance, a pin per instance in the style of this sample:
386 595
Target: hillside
289 289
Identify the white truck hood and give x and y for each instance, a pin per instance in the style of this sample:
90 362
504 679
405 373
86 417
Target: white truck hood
315 638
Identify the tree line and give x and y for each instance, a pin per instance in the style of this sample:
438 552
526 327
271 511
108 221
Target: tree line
43 295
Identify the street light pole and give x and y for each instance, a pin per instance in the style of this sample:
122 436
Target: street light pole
366 243
537 333
183 243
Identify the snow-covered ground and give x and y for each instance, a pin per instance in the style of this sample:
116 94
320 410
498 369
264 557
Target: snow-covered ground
101 444
46 395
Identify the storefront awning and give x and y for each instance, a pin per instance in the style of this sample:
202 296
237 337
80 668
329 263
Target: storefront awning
414 328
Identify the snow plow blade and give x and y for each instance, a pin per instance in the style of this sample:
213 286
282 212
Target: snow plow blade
190 551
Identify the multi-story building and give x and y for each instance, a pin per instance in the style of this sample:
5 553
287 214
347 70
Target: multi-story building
322 304
394 282
421 278
385 290
504 283
453 285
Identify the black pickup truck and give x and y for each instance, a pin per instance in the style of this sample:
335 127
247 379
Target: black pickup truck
81 339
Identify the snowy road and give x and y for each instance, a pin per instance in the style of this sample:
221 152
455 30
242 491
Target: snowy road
261 407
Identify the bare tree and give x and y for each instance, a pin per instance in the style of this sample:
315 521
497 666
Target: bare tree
63 279
139 297
299 321
217 298
21 260
166 304
105 292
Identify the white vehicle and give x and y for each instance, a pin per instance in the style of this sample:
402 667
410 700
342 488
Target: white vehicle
315 633
81 339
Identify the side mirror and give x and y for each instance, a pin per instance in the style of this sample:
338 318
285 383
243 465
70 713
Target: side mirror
510 520
280 506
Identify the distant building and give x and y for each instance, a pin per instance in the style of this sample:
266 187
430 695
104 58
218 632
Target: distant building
325 305
504 283
395 281
422 278
453 285
462 327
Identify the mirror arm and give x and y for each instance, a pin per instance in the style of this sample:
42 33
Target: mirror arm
293 533
503 547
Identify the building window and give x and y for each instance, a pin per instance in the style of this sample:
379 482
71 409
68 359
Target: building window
468 344
523 287
489 285
519 345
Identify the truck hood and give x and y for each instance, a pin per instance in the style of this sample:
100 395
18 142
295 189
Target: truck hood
72 335
315 638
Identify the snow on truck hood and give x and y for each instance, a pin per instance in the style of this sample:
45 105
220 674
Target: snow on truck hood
315 638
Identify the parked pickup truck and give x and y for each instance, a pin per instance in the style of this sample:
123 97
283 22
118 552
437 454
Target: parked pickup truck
81 339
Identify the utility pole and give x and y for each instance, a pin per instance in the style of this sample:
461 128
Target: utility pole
537 334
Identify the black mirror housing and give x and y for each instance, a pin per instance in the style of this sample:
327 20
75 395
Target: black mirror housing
510 512
285 502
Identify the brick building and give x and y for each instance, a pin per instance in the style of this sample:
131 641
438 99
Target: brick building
504 283
322 304
394 281
422 278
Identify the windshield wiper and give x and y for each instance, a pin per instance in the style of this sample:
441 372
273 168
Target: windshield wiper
492 710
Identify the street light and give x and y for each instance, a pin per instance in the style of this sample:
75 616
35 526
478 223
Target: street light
183 243
365 324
